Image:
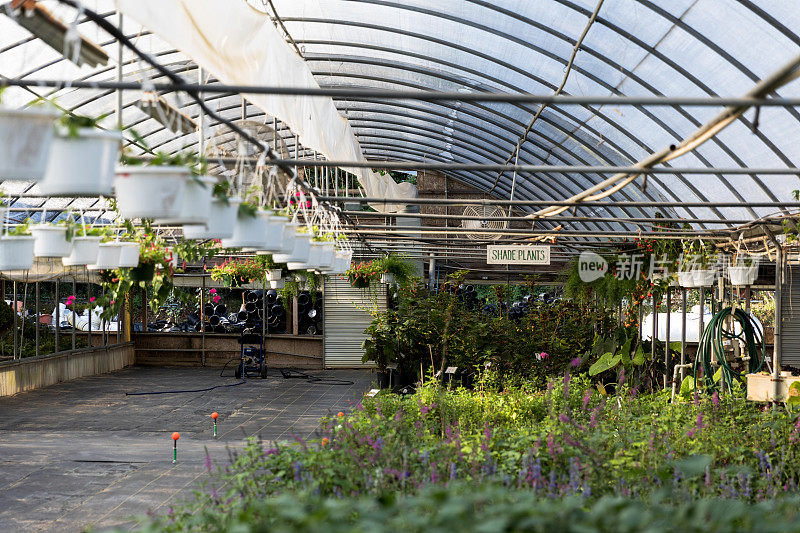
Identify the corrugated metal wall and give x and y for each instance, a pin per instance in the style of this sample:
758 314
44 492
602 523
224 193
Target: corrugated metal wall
346 315
790 318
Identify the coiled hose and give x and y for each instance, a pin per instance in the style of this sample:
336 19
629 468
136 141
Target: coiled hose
712 348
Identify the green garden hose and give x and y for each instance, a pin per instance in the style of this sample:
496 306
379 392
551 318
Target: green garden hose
711 347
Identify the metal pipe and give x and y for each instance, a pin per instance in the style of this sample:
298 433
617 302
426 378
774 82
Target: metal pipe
89 307
36 312
654 328
666 341
776 348
58 317
74 319
683 330
492 202
421 95
432 273
16 327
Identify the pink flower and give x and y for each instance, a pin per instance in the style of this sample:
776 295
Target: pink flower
92 299
216 299
212 291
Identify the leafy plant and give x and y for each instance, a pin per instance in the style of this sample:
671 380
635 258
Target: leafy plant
72 123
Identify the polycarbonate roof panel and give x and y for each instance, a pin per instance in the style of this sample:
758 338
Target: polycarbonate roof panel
634 47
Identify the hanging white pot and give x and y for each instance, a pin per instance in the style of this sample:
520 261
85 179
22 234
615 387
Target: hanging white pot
16 252
327 256
346 259
248 232
274 274
290 233
299 254
84 251
82 165
129 254
387 278
742 275
276 230
312 262
150 192
703 277
107 256
50 241
276 283
220 223
196 204
686 279
25 139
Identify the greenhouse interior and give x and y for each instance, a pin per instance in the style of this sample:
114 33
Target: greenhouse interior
466 265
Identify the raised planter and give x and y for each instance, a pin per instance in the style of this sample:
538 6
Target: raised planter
16 252
83 165
220 223
50 241
150 192
25 139
84 251
196 204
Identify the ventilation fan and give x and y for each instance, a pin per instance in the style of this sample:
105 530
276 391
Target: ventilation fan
488 221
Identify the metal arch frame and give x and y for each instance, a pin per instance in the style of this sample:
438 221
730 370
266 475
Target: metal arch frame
577 68
568 4
579 124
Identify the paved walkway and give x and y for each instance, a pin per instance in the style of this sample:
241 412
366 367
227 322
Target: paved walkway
83 453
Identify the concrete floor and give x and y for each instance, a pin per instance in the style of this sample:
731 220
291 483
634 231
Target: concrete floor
83 453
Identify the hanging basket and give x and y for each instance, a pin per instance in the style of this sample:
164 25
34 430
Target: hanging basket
703 278
25 139
143 272
107 256
150 192
84 251
16 252
742 275
248 232
327 256
359 282
276 230
300 251
83 165
312 262
220 223
686 279
129 254
50 241
196 204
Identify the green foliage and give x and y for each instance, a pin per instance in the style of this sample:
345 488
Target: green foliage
23 228
73 123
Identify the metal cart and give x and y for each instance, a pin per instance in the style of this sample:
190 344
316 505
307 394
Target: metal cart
253 359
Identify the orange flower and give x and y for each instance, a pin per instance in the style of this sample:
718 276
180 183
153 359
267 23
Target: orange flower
325 441
340 414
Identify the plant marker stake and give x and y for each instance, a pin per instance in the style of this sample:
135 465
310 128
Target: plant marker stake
175 437
214 415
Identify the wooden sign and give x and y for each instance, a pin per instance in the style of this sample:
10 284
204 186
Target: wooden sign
517 255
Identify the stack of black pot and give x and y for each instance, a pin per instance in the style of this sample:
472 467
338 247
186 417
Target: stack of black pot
309 311
276 312
465 293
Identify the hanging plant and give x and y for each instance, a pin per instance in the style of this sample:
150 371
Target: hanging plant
362 274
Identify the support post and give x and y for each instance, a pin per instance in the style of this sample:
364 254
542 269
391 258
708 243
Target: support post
36 312
654 329
203 317
57 318
295 316
666 340
74 318
776 348
683 331
432 273
89 306
16 321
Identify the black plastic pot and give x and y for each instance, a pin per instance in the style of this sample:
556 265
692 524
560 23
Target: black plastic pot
143 272
220 310
383 379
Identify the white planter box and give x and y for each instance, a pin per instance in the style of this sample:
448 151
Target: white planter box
25 139
196 204
276 283
703 278
387 278
220 223
248 232
129 254
51 241
327 256
16 252
83 165
107 256
150 192
300 251
742 275
273 275
84 251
